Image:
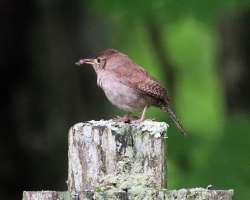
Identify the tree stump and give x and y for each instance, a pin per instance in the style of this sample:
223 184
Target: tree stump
182 194
119 161
104 154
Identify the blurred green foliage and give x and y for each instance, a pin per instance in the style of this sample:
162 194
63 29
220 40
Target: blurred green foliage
217 150
199 50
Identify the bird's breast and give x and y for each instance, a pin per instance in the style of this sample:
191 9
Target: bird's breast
121 95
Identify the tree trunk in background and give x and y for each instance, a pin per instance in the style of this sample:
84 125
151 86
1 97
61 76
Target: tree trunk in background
16 20
235 61
40 41
155 34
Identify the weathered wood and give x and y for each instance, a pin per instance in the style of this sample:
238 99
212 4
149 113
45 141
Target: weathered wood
182 194
46 195
118 161
104 154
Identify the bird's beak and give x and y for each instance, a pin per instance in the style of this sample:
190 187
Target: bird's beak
90 61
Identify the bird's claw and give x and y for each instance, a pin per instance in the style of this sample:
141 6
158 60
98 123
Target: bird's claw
124 119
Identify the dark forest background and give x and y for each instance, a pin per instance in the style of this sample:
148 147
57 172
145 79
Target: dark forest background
200 50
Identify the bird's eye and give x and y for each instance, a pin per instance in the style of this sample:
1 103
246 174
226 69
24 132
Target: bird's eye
98 60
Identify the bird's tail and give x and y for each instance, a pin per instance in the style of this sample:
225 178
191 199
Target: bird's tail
175 119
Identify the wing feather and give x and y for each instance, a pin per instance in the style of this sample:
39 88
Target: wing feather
135 76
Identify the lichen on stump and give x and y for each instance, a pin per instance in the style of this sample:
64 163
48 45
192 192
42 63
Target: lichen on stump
147 194
109 154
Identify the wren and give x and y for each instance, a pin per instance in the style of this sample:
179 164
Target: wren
128 86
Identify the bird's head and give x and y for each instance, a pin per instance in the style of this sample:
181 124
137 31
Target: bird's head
100 61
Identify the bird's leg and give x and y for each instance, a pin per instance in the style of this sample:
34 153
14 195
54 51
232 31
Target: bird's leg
143 114
126 118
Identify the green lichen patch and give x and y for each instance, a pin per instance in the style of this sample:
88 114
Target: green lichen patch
156 129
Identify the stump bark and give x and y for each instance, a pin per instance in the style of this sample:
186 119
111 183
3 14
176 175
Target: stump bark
104 154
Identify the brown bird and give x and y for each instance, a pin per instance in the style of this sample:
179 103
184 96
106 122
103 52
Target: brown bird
128 86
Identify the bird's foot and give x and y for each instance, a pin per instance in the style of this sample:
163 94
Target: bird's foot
126 118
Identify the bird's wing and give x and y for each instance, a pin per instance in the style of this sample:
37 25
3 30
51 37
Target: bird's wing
136 77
